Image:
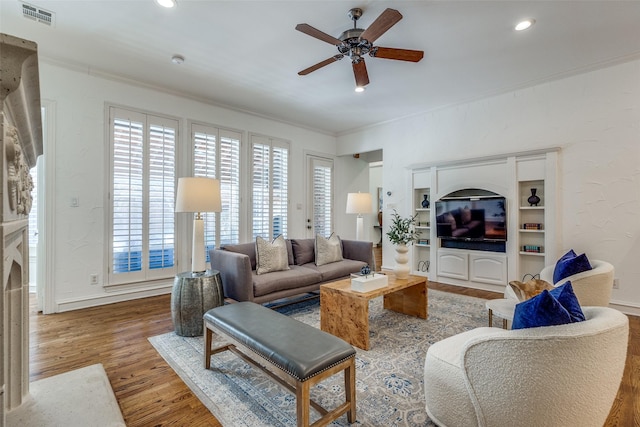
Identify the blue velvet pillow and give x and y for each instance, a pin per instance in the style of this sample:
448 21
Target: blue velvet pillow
565 296
570 264
541 310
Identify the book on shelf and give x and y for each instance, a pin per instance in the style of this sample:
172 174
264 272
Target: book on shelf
532 248
531 226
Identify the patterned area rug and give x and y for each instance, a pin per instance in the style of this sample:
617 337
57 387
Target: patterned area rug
389 377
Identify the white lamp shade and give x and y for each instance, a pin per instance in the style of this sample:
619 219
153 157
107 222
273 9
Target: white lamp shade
359 203
198 194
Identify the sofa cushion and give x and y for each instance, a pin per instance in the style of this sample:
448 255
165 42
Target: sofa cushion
271 256
541 310
327 250
336 270
303 251
244 248
290 252
570 264
295 277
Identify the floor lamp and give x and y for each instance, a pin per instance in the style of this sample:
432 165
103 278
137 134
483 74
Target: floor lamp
359 203
198 194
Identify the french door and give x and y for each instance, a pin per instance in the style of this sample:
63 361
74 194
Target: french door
320 190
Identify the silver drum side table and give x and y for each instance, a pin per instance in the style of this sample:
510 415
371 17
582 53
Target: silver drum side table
193 295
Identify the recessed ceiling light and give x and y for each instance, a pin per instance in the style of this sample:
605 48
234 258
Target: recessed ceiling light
177 59
359 89
525 24
167 3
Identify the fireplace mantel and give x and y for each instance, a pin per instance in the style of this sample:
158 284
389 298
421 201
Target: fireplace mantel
21 143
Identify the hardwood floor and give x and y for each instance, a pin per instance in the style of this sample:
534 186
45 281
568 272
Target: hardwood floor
148 391
151 394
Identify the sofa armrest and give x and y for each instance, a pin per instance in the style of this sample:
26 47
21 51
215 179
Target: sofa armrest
235 273
358 250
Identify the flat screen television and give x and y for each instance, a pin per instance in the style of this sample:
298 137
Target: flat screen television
472 219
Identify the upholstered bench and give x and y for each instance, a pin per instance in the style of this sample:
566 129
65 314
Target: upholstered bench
296 355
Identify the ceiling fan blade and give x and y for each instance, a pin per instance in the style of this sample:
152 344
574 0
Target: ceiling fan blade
399 54
360 72
320 65
386 20
314 32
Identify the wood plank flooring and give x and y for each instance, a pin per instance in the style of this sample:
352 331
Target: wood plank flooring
151 394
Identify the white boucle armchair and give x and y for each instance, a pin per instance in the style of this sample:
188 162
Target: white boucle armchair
592 287
566 375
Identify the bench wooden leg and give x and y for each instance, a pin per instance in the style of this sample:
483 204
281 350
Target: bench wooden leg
350 390
208 337
302 403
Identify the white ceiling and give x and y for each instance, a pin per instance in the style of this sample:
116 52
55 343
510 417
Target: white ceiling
246 54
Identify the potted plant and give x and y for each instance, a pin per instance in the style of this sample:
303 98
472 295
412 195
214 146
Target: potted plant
402 232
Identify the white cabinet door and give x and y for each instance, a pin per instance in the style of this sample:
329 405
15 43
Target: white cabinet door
453 264
488 268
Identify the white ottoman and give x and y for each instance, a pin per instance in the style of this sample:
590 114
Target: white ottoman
503 308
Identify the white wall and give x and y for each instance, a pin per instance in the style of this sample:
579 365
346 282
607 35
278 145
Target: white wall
593 117
352 176
81 164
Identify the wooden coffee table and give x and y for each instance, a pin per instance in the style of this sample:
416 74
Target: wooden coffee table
345 313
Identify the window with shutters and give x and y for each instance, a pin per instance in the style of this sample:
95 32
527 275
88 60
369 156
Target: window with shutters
322 195
142 196
269 186
216 154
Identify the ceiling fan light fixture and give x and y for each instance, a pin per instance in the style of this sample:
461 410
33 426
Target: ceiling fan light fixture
355 43
167 3
524 24
359 89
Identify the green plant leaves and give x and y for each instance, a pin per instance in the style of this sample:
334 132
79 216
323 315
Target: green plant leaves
401 229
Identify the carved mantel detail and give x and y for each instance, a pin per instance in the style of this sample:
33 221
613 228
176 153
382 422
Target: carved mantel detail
19 181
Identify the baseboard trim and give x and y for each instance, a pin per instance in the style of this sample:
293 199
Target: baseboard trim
97 300
625 307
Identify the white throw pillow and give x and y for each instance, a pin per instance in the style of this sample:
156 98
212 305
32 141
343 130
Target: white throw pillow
271 256
328 250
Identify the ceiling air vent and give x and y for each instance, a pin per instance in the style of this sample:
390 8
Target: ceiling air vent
38 14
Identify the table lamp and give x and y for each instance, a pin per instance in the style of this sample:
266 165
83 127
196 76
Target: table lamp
359 203
198 194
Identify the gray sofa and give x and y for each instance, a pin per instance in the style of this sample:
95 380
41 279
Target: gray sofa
237 267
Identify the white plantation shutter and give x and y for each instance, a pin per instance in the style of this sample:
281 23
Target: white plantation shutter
260 194
269 186
322 176
142 196
217 155
162 178
127 194
229 176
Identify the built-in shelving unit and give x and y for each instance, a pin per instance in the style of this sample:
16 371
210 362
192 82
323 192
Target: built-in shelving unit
531 227
527 249
422 248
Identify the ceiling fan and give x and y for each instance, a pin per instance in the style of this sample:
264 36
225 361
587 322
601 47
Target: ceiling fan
356 42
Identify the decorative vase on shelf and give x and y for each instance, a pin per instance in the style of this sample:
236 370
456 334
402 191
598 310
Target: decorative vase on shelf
401 269
533 199
425 202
